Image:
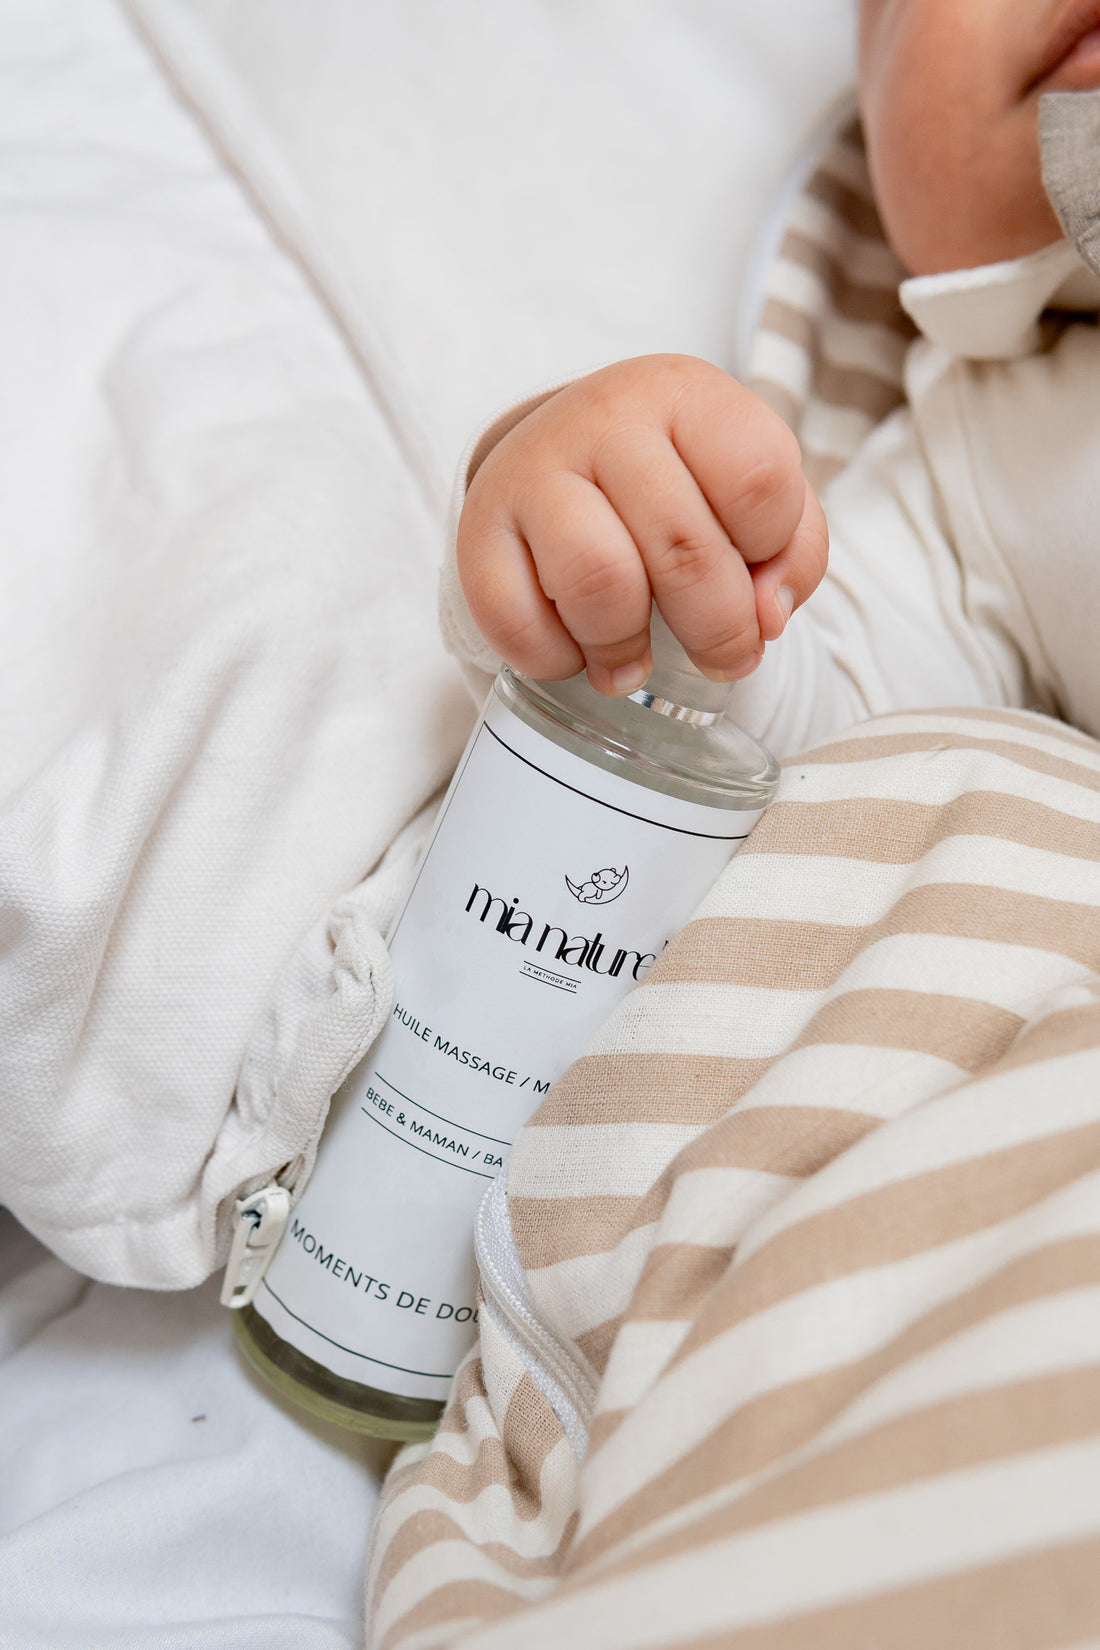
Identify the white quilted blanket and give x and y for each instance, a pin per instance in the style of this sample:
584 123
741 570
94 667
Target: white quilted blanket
264 266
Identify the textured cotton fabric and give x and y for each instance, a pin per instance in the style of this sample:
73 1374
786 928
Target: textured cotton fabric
223 695
1069 129
817 1213
261 272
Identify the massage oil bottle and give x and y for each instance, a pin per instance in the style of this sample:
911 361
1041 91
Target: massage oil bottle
577 836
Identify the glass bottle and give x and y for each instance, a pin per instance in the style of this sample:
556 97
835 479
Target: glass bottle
577 836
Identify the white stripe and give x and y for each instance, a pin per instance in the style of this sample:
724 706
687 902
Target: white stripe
832 432
1021 728
1054 1334
584 1160
867 260
988 971
865 346
986 1116
580 1294
868 346
830 1556
481 1423
713 1207
829 1326
737 1022
641 1352
442 1563
1047 1336
879 1082
491 1513
855 893
782 362
710 1207
909 777
799 287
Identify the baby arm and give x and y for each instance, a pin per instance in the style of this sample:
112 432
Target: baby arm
657 479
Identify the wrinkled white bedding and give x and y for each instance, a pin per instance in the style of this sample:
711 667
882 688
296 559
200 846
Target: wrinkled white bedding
264 267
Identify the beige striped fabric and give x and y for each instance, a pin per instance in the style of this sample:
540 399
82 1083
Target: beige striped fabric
818 1215
830 346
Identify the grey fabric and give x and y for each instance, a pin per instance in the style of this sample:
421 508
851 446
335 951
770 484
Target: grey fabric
1069 136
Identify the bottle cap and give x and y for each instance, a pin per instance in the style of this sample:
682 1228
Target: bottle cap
674 687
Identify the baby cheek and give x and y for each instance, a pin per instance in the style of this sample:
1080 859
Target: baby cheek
956 188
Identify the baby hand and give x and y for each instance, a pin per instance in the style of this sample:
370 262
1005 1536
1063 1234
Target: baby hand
657 479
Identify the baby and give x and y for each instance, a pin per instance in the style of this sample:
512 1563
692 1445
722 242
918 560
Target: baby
963 568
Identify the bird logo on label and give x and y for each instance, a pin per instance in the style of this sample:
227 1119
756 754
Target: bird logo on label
601 887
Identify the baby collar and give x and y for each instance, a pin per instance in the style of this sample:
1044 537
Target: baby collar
992 313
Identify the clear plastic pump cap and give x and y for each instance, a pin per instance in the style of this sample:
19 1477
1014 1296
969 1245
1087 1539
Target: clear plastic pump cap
674 687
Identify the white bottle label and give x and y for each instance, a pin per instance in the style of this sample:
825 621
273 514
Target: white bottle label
548 888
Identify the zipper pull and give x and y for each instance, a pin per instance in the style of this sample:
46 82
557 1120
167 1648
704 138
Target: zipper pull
258 1223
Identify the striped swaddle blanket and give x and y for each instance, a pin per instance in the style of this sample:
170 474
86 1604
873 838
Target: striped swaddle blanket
791 1325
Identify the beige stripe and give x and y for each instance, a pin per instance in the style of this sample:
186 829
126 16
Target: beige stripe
675 1279
841 386
469 1383
767 953
866 257
855 209
604 1425
828 431
853 300
429 1526
770 1426
531 1432
461 1481
893 1222
849 137
458 1601
834 385
772 954
795 328
1071 1031
1032 722
786 1140
550 1229
891 831
971 1430
596 1344
798 326
647 1088
1028 721
872 748
969 1034
404 1471
1042 1601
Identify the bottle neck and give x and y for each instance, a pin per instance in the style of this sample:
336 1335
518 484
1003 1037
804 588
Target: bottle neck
677 713
675 688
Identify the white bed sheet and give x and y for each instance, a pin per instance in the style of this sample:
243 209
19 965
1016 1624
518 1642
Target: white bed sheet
153 1497
482 198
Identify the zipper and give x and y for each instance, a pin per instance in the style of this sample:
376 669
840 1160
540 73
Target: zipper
259 1221
564 1381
